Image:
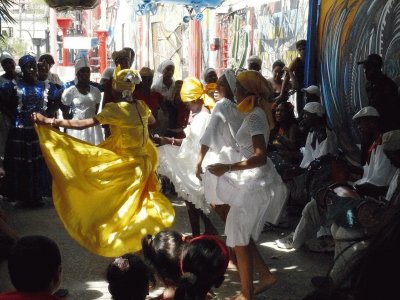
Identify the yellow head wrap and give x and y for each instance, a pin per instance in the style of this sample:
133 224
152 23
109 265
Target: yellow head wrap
254 83
192 89
125 80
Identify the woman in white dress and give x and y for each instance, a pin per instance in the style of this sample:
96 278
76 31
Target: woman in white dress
82 101
251 186
178 156
218 141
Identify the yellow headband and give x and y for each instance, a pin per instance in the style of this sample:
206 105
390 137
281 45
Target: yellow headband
125 80
192 90
257 85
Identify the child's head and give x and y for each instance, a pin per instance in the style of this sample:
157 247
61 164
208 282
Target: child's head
34 264
163 252
203 264
129 278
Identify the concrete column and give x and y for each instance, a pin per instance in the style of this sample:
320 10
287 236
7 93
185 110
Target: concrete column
195 49
102 37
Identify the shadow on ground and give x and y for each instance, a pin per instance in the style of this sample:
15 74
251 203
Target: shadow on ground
84 272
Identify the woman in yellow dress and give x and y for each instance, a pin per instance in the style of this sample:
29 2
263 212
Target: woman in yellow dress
107 196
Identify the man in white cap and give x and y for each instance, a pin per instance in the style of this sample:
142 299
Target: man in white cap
378 173
321 144
377 169
353 239
321 140
254 63
312 94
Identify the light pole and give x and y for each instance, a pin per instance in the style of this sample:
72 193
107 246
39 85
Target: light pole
20 19
38 42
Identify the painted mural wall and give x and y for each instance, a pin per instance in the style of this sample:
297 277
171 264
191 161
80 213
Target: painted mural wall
278 25
349 31
269 30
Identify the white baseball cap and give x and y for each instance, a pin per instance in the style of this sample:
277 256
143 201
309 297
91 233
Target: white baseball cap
367 111
391 140
312 89
314 108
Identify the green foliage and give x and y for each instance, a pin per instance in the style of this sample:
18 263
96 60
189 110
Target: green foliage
14 46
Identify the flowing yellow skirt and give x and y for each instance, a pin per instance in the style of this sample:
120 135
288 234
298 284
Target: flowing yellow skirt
107 202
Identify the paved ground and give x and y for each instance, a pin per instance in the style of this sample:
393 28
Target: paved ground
84 272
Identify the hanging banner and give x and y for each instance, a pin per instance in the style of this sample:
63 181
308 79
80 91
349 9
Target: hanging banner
79 42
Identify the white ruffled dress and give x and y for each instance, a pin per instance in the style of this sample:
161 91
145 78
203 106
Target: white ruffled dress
255 195
219 136
178 163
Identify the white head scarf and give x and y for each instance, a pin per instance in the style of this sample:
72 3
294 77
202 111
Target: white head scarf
5 55
164 65
205 73
158 80
158 75
231 79
315 108
80 63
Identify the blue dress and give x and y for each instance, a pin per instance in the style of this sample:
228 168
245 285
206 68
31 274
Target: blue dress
27 177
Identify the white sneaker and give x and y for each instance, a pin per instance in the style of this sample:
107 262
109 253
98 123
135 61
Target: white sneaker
286 242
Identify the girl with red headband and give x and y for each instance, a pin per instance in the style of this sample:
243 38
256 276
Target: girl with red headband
203 264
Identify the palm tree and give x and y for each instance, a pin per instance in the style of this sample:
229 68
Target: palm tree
5 6
5 15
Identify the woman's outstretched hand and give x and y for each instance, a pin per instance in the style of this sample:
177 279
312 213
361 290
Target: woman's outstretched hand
40 119
160 140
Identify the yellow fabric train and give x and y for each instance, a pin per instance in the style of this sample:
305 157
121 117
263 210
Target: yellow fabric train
108 196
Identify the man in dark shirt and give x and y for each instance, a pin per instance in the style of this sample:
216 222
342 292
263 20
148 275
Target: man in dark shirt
297 66
382 92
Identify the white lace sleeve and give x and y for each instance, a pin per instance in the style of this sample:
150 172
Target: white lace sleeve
257 123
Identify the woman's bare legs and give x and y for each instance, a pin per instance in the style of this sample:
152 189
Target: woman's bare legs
266 278
245 265
194 218
222 211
